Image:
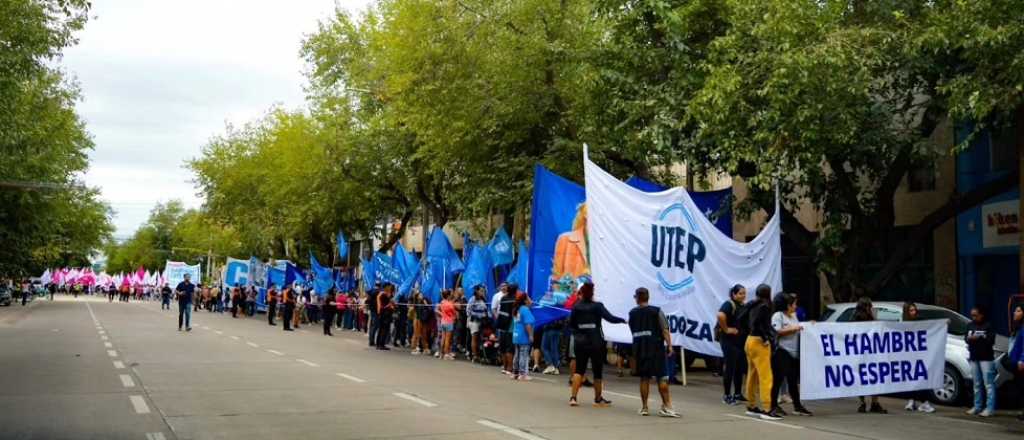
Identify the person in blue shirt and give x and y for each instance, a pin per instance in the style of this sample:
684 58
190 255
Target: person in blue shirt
185 291
522 336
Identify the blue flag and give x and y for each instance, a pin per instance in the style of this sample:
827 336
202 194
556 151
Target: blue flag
386 272
478 272
440 267
406 262
558 222
323 277
342 246
276 277
500 248
709 202
293 273
519 271
369 274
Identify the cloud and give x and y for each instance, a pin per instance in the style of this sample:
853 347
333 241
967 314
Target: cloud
160 78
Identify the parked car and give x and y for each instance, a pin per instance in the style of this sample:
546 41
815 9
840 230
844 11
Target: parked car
5 296
957 378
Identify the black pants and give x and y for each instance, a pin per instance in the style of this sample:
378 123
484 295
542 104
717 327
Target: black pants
383 330
271 311
234 309
374 324
289 310
328 320
400 325
734 365
785 367
596 356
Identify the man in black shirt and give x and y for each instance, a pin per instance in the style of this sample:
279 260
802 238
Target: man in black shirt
186 291
590 345
651 345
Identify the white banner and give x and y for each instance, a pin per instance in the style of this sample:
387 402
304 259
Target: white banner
175 272
663 242
871 358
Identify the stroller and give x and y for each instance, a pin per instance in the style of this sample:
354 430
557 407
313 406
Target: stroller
490 346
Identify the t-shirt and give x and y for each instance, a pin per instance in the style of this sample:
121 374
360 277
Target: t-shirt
496 302
447 309
729 308
791 342
519 323
187 289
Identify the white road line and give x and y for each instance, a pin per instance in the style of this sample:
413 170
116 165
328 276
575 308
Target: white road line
252 344
352 378
104 338
307 362
119 365
509 430
140 404
102 332
235 337
784 425
108 345
628 396
127 381
205 328
155 436
112 353
275 352
415 399
219 332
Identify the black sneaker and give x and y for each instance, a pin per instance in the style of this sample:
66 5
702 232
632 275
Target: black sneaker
754 411
728 400
602 402
863 408
801 411
739 398
771 415
778 410
877 409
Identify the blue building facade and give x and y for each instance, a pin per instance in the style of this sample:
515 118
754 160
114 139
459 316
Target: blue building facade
988 247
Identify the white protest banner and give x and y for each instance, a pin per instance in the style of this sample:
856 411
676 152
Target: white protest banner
663 242
871 358
175 272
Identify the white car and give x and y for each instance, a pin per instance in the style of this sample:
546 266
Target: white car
957 379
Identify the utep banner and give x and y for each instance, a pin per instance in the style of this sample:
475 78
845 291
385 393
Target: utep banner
175 272
871 358
662 241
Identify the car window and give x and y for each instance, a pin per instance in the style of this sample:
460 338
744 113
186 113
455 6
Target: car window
888 314
847 315
957 322
827 313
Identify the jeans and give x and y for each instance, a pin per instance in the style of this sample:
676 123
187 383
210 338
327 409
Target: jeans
549 345
164 304
350 320
984 373
184 314
521 364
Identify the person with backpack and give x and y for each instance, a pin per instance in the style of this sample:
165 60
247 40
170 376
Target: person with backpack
758 348
731 339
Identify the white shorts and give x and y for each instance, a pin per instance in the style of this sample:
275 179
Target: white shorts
474 327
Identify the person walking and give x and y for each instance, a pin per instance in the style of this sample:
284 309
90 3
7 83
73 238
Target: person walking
385 314
328 311
371 307
522 336
271 304
786 359
1015 359
590 346
111 291
236 296
26 287
288 296
758 348
165 297
981 339
731 338
910 314
652 343
863 312
447 313
185 292
477 311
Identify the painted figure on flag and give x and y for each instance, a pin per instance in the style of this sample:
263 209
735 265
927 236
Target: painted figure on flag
572 252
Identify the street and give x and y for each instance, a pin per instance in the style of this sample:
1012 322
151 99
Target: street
88 369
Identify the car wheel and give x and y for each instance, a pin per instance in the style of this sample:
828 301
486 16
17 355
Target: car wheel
951 391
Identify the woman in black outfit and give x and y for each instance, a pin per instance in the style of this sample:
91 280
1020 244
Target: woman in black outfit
328 311
865 311
732 340
590 345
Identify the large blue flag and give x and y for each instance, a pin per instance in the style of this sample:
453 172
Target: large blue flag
519 271
369 274
323 278
386 272
501 248
276 277
293 273
345 281
406 262
440 267
342 246
478 272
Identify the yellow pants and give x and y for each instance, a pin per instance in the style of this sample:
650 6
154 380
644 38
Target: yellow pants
759 372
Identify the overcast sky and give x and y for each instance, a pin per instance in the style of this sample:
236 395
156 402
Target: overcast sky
159 78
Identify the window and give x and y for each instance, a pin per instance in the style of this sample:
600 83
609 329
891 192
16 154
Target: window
847 315
957 322
888 315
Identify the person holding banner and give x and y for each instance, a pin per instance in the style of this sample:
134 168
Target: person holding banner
590 346
910 314
652 343
786 359
864 312
758 348
981 340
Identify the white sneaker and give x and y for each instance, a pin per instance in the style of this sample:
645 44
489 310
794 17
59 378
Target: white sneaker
668 412
549 370
416 352
972 412
910 405
987 413
926 408
437 354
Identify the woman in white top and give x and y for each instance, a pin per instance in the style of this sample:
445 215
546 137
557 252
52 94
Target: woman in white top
786 359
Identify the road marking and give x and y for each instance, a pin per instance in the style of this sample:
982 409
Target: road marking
509 430
252 344
104 338
127 381
205 328
108 345
112 353
275 352
784 425
219 332
155 436
119 365
307 362
352 378
415 399
235 337
628 396
102 332
140 404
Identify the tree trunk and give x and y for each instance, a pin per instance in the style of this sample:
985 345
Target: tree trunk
392 238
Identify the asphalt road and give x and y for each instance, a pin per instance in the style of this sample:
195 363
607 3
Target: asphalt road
89 369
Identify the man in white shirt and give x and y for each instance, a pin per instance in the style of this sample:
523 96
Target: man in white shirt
496 299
